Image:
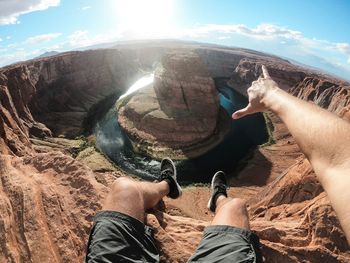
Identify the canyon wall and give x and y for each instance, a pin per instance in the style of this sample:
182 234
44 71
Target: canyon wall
333 96
53 96
47 200
179 114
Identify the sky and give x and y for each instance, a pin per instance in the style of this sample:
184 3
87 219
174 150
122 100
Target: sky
314 32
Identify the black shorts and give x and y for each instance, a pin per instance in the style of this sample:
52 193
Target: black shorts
116 237
227 244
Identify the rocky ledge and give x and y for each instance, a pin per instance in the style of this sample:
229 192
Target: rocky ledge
179 115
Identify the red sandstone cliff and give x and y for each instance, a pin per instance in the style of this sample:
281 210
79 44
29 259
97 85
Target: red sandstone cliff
179 114
47 200
334 96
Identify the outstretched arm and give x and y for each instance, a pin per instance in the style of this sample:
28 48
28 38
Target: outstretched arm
322 136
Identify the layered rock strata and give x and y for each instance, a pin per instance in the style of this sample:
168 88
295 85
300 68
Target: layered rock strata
249 70
53 96
179 114
333 96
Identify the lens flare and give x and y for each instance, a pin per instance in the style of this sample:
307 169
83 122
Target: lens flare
145 19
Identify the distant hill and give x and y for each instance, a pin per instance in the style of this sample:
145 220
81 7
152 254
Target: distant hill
48 54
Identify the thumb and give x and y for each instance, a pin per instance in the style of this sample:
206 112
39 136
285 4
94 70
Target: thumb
265 72
243 112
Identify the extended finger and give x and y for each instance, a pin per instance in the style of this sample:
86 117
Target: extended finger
243 112
265 72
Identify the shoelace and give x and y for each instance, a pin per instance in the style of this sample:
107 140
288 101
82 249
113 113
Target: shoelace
167 173
222 187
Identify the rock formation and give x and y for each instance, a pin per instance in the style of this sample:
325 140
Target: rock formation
48 198
333 96
179 114
249 70
47 202
294 212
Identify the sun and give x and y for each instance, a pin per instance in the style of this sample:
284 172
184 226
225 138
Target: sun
145 18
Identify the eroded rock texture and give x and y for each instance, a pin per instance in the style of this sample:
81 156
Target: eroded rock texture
295 220
249 70
179 114
333 96
48 198
47 201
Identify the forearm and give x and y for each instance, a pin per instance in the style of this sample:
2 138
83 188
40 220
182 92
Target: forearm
323 137
325 140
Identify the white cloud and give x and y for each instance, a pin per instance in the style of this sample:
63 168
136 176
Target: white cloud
56 47
10 10
265 33
85 7
282 41
22 51
41 38
344 48
262 31
16 56
223 38
81 38
0 39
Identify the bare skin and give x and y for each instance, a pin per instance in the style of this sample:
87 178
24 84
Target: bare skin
133 198
231 212
322 136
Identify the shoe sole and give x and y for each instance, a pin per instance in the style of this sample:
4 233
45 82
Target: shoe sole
172 163
175 175
212 187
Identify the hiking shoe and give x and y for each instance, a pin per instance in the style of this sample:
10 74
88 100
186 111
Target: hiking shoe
218 187
168 174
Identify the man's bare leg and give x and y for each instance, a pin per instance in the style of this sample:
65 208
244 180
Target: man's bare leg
119 237
231 212
133 198
228 211
228 238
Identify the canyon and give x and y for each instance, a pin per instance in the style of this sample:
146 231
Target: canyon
54 177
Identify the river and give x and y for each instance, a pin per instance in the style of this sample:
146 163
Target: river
245 134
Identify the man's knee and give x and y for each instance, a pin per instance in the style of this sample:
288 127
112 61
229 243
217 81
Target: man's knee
236 205
125 197
125 186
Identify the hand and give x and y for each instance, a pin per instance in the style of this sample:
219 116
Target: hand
257 93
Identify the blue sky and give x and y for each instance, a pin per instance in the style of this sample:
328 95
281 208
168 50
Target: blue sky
315 33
